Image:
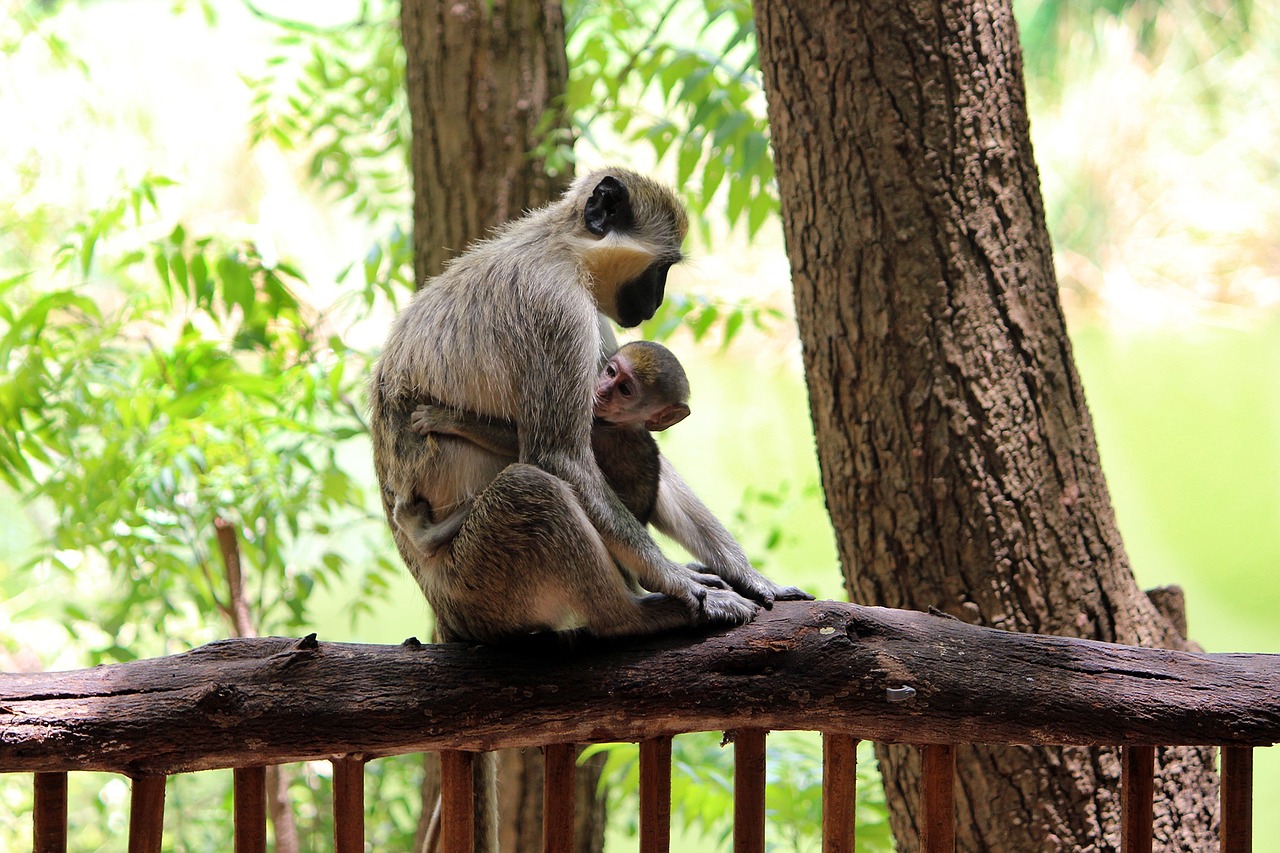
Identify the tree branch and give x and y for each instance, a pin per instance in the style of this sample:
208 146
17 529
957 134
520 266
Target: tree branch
805 665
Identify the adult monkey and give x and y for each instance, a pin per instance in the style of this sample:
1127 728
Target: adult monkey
509 330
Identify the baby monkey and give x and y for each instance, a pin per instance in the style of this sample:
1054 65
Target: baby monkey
641 389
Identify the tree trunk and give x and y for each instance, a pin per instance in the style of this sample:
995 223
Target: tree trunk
957 454
481 77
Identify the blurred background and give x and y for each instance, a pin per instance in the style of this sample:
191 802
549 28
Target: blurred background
202 219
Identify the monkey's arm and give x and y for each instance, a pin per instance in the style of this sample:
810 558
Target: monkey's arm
682 516
555 406
497 437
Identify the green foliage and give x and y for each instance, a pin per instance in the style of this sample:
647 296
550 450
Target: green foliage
338 95
702 791
1052 30
173 383
701 315
681 79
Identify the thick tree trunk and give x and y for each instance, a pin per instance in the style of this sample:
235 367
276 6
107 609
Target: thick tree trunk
957 454
481 76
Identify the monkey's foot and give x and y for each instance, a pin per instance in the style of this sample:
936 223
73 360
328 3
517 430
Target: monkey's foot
725 608
429 418
411 514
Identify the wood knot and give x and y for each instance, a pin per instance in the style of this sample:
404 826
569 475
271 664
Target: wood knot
220 697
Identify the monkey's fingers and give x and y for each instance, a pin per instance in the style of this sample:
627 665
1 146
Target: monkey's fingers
703 576
792 593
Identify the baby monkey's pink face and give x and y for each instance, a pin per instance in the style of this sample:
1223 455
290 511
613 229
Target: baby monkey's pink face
622 399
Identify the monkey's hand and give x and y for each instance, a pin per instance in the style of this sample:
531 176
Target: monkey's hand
791 593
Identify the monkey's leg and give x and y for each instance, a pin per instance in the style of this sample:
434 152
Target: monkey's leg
527 559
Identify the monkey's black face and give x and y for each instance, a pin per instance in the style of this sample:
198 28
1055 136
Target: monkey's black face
639 298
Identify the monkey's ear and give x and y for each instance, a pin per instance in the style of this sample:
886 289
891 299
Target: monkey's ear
609 207
668 417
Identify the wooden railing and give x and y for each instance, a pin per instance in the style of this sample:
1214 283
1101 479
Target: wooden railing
847 671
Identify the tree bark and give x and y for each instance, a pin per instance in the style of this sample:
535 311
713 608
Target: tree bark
481 78
957 454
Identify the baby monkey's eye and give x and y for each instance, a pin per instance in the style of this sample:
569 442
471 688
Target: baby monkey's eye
624 389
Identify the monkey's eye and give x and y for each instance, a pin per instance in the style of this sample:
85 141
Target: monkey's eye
610 370
624 389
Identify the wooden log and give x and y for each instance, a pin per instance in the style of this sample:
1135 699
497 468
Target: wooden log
146 814
457 801
655 795
839 792
816 666
348 804
559 762
1137 788
49 819
250 809
748 791
938 799
1237 799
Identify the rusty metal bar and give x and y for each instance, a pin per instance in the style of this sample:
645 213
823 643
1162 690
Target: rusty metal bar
748 791
1137 788
1237 799
250 785
146 814
559 762
938 798
49 832
457 801
655 795
839 791
348 805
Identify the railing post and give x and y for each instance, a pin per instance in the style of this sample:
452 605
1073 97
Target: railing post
146 814
938 822
748 791
559 762
348 804
1237 799
1137 788
457 801
839 791
250 809
655 795
49 819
